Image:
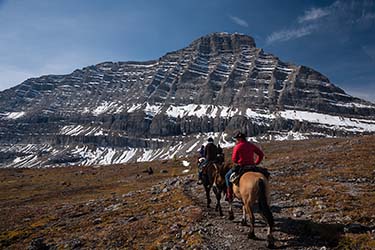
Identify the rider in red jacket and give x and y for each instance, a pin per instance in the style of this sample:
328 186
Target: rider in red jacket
243 155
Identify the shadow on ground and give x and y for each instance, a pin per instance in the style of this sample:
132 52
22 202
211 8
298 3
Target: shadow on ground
311 234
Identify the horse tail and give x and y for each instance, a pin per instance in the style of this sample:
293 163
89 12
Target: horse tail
263 203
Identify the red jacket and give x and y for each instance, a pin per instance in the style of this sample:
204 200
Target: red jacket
243 154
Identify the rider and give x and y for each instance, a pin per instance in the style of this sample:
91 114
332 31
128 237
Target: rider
210 153
243 155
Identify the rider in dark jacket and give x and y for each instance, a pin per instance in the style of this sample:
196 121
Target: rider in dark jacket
210 151
210 154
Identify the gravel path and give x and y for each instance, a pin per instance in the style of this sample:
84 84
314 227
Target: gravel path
221 233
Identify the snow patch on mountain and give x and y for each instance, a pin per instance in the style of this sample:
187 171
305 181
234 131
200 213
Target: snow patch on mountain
201 110
13 115
105 107
134 107
353 104
336 122
152 110
260 116
75 130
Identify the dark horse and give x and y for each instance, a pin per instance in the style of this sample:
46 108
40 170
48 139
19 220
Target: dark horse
213 176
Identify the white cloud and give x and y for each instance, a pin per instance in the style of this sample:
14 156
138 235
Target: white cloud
353 13
366 19
313 14
289 34
307 24
343 16
239 21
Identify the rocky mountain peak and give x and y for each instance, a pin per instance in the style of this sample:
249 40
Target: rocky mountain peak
115 112
216 43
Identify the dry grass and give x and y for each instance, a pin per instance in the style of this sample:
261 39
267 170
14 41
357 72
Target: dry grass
64 204
326 177
334 178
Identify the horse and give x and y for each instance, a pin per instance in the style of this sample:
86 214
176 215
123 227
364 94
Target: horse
213 177
253 186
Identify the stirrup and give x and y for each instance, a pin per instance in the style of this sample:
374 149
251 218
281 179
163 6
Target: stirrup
234 177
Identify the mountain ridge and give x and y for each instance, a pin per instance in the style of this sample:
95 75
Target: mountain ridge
195 45
135 111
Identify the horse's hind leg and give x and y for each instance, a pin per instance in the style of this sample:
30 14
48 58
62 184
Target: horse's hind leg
208 196
214 188
249 211
218 198
243 221
231 214
266 213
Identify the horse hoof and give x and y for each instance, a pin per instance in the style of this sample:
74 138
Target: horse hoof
270 245
251 236
270 242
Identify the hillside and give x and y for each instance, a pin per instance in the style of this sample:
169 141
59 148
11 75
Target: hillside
323 198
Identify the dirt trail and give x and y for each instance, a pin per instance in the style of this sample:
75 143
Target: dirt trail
221 233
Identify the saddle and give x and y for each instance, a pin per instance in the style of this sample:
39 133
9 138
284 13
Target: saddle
238 171
202 163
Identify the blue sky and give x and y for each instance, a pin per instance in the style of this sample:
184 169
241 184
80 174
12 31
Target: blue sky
40 37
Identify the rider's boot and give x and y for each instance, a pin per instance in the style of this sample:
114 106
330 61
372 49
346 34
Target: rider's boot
229 194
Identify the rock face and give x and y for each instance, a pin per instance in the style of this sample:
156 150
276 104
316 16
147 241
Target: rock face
141 110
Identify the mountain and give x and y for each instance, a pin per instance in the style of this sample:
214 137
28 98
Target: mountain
116 112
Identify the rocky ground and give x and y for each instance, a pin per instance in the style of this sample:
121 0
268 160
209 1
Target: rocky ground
322 198
323 195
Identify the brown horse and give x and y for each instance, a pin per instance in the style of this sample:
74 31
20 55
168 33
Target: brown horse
213 177
253 186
